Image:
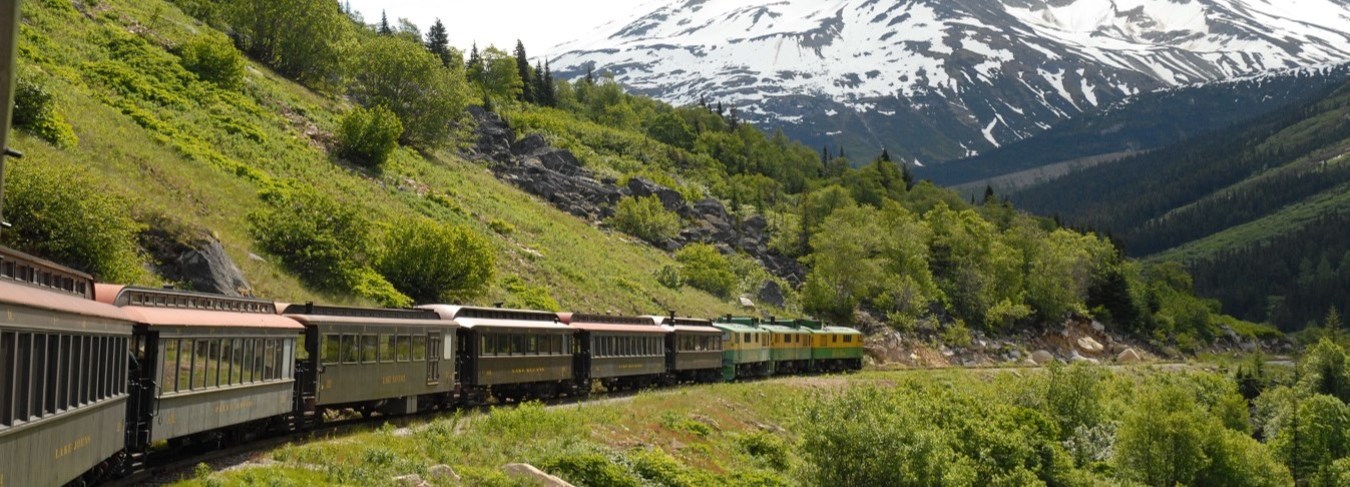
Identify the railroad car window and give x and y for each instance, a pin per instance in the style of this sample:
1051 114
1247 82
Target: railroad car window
370 349
22 377
199 354
213 363
281 355
168 353
226 371
330 349
449 352
286 361
387 348
351 350
250 347
237 375
39 365
62 388
419 347
7 369
54 377
270 360
404 348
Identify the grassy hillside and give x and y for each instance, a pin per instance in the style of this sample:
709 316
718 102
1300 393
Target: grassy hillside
199 155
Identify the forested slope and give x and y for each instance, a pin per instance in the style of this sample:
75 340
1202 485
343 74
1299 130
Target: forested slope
1244 206
331 159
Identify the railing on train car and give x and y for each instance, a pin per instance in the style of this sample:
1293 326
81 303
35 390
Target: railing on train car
9 37
20 267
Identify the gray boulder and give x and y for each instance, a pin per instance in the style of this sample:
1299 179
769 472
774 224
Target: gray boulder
209 269
771 294
671 199
530 473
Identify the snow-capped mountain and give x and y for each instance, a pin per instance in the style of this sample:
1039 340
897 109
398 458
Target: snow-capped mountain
943 79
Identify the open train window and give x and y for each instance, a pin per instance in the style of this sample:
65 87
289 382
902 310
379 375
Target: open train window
370 349
387 348
419 348
351 349
404 348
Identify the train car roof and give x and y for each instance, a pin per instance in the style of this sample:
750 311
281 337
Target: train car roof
24 295
686 324
474 316
343 315
166 307
839 330
738 328
786 329
629 324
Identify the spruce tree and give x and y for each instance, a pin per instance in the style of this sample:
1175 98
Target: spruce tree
988 194
590 74
885 156
438 42
384 29
526 76
550 93
474 67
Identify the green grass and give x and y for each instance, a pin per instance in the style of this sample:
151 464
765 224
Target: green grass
188 150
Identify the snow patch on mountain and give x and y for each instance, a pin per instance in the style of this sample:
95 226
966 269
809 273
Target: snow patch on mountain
977 73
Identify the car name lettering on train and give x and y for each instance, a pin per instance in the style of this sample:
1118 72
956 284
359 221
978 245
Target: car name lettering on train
72 447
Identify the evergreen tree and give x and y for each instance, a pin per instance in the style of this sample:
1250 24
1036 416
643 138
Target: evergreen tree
1333 324
885 156
384 29
590 74
474 67
988 194
824 155
527 94
550 92
438 42
908 176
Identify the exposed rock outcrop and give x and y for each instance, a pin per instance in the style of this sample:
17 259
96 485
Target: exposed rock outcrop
194 258
556 175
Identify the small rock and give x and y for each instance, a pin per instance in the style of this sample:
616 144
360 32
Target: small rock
1076 357
1042 357
443 472
1129 356
529 472
746 302
1098 326
771 294
412 480
255 257
1089 345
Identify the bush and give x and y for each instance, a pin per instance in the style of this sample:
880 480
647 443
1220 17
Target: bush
321 241
369 136
433 262
61 213
411 82
669 276
213 59
35 111
704 268
645 218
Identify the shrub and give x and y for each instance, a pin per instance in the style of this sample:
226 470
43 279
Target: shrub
645 218
704 268
35 111
321 241
213 59
411 82
433 262
501 227
669 276
369 136
61 213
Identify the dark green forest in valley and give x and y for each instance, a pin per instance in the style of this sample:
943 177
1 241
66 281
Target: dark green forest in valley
1256 211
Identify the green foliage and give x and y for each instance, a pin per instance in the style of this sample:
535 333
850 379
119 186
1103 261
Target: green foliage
501 227
865 256
411 82
302 39
321 241
369 136
35 111
60 212
1166 438
1326 370
212 58
584 466
669 276
703 267
645 218
767 447
497 75
1074 397
432 262
527 296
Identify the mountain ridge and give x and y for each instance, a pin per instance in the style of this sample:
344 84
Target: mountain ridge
933 81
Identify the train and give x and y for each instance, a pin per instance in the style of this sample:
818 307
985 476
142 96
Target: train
95 378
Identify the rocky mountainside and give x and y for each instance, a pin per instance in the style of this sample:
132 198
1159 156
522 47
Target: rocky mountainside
935 80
